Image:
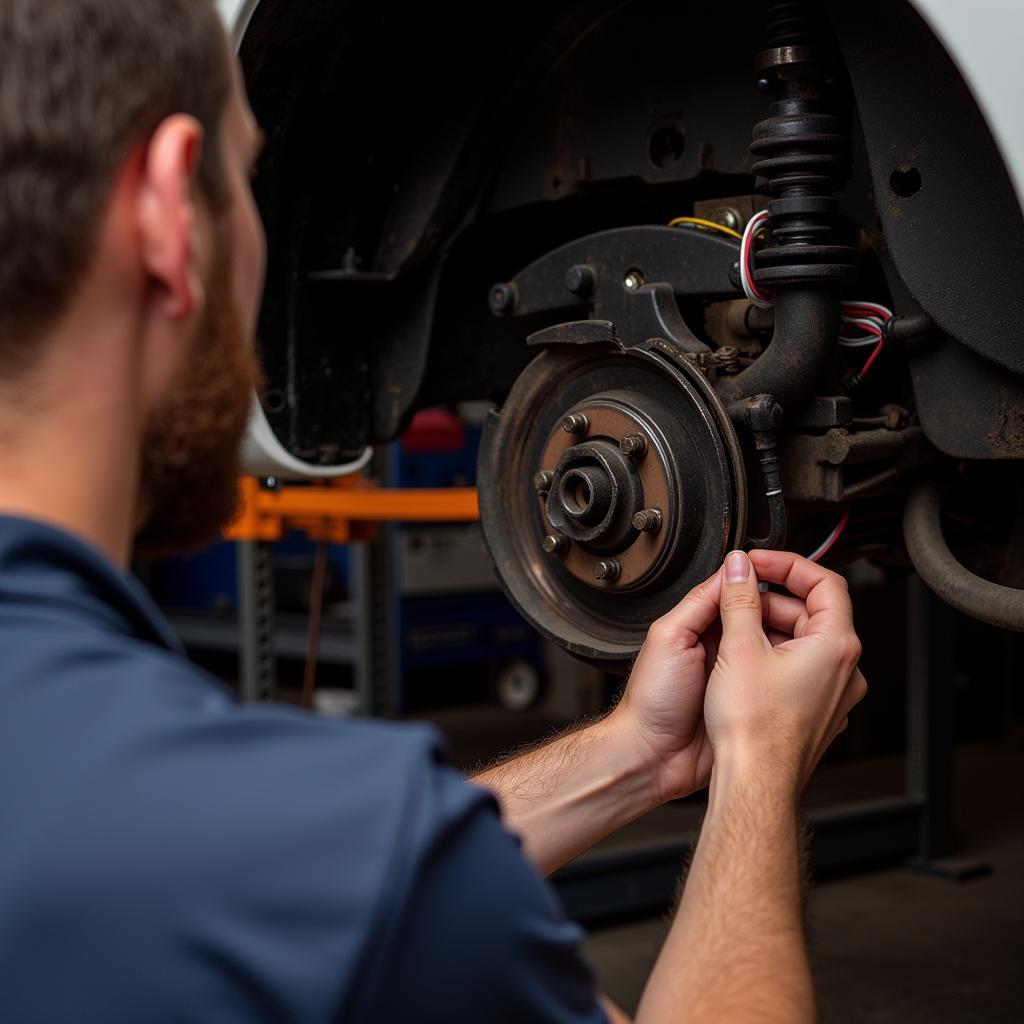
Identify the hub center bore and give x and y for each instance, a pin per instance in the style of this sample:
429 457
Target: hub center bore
594 494
585 494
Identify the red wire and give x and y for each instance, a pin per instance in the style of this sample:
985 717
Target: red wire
749 264
835 536
875 353
851 308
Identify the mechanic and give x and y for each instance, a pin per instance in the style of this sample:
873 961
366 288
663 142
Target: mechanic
171 855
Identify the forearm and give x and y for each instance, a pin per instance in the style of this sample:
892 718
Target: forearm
736 951
563 797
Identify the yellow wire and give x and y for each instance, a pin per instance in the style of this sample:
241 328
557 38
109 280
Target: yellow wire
700 222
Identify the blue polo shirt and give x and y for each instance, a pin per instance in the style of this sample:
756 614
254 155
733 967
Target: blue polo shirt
169 855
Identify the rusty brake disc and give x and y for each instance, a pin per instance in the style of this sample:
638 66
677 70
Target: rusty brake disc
611 482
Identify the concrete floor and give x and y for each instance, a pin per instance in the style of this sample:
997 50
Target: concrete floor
899 945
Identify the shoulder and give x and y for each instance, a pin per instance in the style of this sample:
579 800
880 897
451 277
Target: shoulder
224 848
473 931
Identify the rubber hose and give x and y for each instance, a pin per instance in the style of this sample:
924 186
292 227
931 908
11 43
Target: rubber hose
937 566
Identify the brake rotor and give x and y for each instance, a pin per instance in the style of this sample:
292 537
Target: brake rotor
611 482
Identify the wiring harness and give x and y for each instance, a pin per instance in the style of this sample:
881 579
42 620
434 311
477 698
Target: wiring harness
866 318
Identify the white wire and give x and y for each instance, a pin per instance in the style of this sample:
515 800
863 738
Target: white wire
753 225
874 321
824 545
862 321
870 324
882 311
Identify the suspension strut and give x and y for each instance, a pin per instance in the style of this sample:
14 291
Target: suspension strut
801 155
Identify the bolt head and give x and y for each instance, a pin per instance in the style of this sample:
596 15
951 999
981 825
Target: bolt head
607 570
576 423
633 445
633 280
502 298
580 279
727 217
555 544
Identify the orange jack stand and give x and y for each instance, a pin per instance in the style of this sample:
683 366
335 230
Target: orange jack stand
343 510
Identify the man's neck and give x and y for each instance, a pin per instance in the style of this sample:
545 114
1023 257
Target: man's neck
70 443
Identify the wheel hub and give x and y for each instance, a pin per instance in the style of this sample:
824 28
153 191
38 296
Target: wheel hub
610 483
597 489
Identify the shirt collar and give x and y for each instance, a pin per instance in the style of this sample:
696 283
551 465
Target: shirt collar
43 565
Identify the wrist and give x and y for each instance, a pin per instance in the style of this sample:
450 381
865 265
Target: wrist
745 771
629 759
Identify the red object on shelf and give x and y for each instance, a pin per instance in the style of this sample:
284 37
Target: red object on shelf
434 430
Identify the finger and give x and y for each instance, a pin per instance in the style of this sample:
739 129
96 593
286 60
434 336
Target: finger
785 613
740 601
856 691
711 638
825 592
776 637
692 616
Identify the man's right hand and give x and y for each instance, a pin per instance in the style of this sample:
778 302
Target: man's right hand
776 700
784 678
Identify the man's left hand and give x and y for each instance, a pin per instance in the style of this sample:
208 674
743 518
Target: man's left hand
662 708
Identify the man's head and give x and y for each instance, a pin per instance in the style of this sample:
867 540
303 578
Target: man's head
126 147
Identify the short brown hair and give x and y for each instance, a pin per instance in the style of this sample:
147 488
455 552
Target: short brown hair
82 82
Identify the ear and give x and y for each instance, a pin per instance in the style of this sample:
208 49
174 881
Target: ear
167 215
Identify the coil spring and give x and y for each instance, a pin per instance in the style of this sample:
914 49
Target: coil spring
801 154
800 149
791 23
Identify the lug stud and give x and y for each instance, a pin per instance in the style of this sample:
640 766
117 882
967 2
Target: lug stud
555 544
576 423
633 445
607 570
542 480
647 519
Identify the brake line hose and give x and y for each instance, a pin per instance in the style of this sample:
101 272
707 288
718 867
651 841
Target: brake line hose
937 566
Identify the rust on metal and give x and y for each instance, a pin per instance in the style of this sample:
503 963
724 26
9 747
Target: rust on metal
637 561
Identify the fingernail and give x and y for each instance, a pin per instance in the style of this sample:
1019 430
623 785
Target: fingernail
737 567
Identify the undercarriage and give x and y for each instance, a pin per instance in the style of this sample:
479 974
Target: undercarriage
733 275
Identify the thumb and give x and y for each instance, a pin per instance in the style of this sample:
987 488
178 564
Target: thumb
741 600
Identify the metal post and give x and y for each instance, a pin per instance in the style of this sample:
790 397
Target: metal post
256 659
931 756
359 586
378 604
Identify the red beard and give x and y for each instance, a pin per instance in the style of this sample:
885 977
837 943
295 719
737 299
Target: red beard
190 455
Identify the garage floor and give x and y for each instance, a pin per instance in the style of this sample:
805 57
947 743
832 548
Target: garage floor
899 945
